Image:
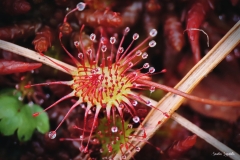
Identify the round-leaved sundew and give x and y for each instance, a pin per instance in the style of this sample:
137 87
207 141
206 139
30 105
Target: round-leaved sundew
105 82
105 79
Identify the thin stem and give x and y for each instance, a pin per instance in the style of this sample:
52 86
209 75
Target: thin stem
190 97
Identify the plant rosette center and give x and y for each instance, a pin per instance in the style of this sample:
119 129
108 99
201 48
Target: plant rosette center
105 86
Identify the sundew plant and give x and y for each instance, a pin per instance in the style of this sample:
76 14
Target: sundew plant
112 75
107 83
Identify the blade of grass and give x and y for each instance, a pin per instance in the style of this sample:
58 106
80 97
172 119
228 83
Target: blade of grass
170 102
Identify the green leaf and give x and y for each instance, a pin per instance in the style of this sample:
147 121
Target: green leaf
14 115
10 92
9 125
42 122
8 106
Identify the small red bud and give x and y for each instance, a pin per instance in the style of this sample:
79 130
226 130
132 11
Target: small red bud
27 86
35 114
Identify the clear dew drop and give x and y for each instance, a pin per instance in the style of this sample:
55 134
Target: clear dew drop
81 137
127 29
152 43
80 55
139 53
96 141
93 37
134 103
151 70
134 85
152 89
102 40
136 119
112 40
135 36
83 106
109 58
144 55
130 64
114 129
148 103
30 103
93 71
89 51
146 65
76 43
97 69
41 101
120 50
124 157
137 149
47 95
121 105
134 74
20 98
104 48
52 134
81 6
153 33
130 126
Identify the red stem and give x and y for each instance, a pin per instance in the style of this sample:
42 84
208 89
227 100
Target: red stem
191 97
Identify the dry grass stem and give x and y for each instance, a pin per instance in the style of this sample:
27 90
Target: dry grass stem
33 55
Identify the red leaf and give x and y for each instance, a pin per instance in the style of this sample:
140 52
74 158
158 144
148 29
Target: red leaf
195 18
43 39
15 7
180 147
9 67
94 18
174 33
19 31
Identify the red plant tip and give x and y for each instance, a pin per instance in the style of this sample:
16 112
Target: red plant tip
27 86
166 114
104 80
62 139
52 134
164 71
41 53
35 114
74 126
22 78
